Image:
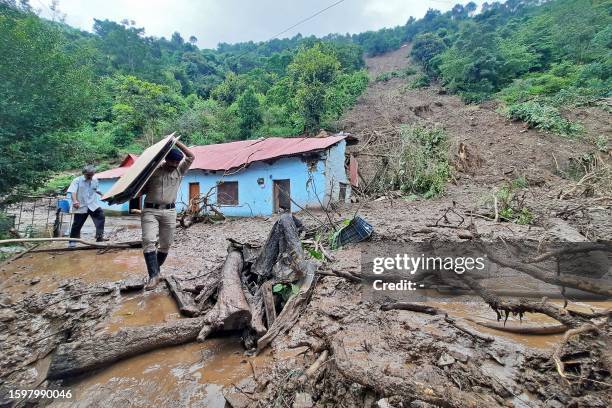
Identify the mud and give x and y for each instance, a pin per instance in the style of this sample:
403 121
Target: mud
513 370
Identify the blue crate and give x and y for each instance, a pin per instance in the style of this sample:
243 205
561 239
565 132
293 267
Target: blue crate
357 230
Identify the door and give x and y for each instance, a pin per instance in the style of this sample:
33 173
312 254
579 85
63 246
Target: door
282 195
194 197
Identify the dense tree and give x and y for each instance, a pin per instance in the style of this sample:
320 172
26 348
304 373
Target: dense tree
249 113
43 89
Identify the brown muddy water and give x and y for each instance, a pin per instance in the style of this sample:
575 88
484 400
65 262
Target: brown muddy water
45 272
188 375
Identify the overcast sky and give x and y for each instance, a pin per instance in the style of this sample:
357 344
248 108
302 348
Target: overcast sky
215 21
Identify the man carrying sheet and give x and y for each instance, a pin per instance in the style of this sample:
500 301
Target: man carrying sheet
159 213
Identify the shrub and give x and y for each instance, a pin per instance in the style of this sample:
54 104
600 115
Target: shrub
420 81
543 117
421 165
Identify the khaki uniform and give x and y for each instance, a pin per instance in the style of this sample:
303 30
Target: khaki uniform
161 189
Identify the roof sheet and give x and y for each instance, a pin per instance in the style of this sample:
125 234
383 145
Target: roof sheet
226 156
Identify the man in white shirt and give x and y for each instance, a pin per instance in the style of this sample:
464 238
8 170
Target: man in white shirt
82 192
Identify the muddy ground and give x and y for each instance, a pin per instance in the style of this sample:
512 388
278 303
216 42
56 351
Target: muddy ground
373 355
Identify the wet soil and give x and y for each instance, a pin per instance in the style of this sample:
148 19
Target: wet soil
73 299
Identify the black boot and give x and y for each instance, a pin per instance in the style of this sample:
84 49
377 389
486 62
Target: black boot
152 269
161 258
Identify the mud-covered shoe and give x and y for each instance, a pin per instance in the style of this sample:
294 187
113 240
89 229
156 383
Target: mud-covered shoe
152 283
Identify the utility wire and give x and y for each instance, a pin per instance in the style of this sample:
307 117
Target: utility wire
295 25
306 19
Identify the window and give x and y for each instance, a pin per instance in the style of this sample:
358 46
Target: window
227 193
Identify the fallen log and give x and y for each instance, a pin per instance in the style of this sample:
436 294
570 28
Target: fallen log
184 301
592 285
126 244
520 329
413 307
232 311
76 358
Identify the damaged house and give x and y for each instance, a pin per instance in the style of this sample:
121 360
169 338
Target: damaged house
257 177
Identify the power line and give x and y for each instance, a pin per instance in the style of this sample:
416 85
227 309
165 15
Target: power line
306 19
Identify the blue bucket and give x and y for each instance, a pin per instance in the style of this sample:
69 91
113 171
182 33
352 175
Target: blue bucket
64 205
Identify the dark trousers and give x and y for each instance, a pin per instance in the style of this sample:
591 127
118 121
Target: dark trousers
79 219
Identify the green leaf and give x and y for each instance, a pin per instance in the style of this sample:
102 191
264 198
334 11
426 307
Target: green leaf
278 288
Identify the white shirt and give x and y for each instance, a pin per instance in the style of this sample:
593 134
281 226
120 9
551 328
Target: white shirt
85 191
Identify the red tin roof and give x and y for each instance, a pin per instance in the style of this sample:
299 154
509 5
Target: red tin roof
226 156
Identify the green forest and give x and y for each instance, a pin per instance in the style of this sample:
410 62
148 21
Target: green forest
70 97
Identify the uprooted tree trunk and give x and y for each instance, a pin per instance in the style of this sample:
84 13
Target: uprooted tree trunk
280 260
232 311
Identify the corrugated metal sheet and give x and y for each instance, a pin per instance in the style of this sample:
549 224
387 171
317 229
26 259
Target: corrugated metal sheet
135 176
232 155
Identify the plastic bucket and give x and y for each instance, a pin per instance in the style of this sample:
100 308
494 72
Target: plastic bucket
64 205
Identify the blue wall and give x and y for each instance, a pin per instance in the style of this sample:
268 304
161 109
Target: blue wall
312 182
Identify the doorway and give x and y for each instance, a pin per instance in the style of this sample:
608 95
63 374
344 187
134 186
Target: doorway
282 194
194 196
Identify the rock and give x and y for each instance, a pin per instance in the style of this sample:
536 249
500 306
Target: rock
34 281
383 403
459 356
445 360
7 315
303 400
76 307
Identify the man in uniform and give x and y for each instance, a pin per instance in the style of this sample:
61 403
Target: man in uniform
159 214
82 192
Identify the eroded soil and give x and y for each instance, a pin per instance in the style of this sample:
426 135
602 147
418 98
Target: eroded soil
371 353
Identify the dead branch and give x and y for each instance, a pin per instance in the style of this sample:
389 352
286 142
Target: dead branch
184 300
413 307
586 328
520 329
312 370
597 286
290 313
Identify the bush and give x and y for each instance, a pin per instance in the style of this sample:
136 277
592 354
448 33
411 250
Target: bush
421 165
543 117
511 205
57 184
385 76
421 81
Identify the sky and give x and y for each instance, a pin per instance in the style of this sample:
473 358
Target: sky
231 21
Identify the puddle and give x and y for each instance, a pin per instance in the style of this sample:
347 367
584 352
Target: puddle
193 374
183 376
54 268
